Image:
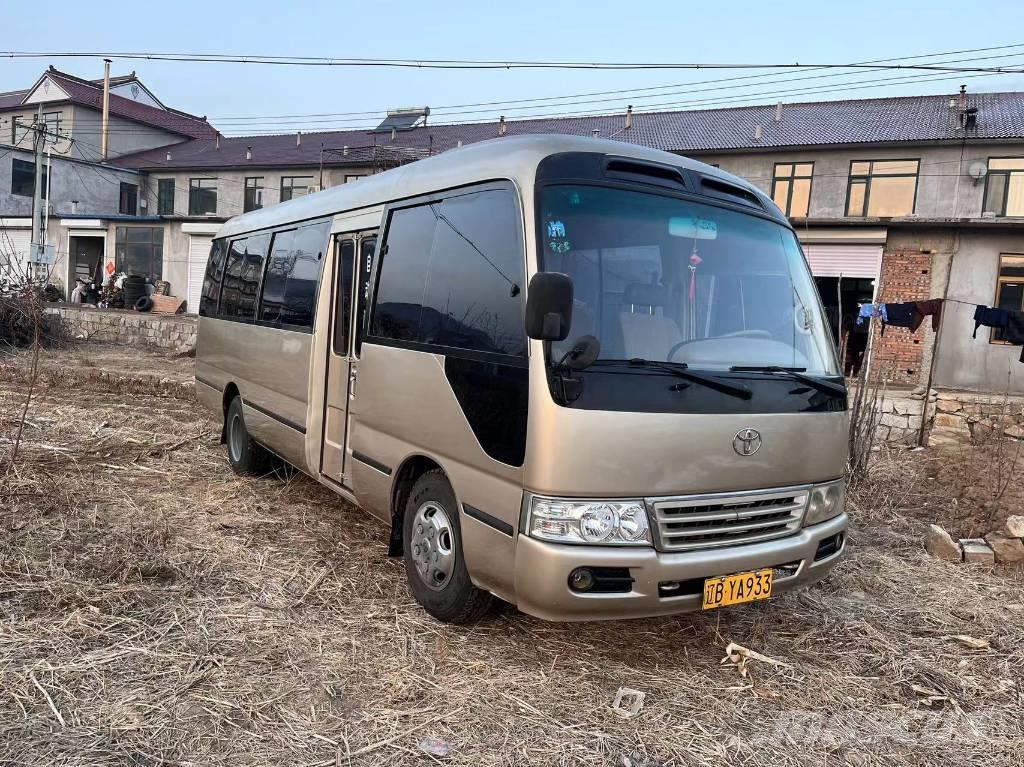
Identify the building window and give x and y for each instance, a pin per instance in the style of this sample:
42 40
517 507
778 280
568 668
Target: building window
165 197
253 193
129 199
1009 288
20 128
23 178
295 186
202 196
1004 187
353 177
791 187
51 121
139 250
882 188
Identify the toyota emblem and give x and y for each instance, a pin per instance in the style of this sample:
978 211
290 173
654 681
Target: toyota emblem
746 441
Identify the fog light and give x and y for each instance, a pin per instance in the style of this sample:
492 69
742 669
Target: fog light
581 579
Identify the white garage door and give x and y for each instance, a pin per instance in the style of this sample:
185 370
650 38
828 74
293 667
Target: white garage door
198 253
14 247
862 261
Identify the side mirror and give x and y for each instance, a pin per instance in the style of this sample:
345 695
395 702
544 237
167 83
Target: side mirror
549 306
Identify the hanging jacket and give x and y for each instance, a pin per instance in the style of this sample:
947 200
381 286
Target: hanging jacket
931 307
899 315
1015 330
867 311
989 317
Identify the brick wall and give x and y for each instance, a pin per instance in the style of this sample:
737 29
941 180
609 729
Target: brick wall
899 355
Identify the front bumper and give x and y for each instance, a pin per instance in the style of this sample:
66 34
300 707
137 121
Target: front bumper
542 572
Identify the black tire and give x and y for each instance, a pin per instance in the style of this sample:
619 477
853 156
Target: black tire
454 598
246 456
144 304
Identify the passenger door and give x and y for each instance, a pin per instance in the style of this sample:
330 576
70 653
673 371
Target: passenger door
352 254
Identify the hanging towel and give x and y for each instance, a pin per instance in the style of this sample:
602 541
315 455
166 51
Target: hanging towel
989 317
931 307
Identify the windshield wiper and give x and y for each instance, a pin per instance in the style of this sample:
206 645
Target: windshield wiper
796 374
679 369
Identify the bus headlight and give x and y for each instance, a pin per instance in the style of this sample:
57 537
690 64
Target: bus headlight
616 523
826 502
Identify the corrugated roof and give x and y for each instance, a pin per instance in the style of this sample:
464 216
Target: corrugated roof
862 121
90 94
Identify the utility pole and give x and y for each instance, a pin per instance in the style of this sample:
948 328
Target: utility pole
105 128
38 233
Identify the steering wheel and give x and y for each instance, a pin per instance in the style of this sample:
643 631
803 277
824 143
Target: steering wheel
735 334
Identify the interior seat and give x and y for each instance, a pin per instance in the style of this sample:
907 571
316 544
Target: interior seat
646 331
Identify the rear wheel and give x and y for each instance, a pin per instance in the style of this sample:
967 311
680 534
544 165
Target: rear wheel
434 561
246 456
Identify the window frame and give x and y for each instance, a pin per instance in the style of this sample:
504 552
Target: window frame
1003 173
161 185
127 189
866 179
776 178
380 254
191 189
119 260
993 332
291 196
32 190
56 123
258 185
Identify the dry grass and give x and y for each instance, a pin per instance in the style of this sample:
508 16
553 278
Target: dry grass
157 610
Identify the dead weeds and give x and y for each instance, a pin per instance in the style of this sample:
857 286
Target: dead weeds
157 610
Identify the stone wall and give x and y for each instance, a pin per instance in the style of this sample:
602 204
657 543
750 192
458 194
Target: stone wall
900 412
175 333
974 416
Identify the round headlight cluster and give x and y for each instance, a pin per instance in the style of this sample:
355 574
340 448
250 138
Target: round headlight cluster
595 522
826 502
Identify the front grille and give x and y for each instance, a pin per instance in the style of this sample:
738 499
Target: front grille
727 519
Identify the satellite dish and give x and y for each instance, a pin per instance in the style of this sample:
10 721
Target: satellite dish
978 170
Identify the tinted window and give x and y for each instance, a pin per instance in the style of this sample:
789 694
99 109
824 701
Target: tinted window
165 197
451 275
473 295
403 274
211 282
242 277
367 247
139 250
290 286
343 296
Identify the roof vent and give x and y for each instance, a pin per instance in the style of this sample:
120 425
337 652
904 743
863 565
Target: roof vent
168 155
216 142
629 117
502 126
458 145
778 112
248 153
758 132
298 139
595 132
405 118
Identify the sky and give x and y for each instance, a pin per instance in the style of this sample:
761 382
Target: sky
648 31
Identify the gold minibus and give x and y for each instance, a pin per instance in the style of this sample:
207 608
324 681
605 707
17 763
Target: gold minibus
587 378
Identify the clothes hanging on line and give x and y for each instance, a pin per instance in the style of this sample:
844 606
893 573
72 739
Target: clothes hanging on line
1014 333
932 307
989 317
867 311
899 315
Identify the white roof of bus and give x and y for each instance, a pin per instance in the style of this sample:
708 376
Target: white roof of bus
511 157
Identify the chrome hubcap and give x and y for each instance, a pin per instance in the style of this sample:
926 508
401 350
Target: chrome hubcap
236 437
433 545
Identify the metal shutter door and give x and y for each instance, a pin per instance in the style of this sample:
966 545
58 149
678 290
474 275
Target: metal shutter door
863 261
14 248
198 253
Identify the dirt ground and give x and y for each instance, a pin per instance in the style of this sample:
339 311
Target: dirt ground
157 610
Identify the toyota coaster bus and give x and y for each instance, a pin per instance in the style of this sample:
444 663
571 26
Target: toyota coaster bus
591 379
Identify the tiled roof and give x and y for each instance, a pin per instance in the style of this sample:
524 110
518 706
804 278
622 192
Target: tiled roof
90 94
865 121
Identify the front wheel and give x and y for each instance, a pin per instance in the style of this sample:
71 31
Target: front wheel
434 562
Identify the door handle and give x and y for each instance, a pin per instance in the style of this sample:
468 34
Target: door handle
352 375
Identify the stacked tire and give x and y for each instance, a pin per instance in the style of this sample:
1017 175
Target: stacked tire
134 288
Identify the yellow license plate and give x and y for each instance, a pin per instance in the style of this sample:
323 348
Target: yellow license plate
737 589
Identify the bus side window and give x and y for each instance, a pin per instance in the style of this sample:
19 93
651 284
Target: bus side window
211 282
367 247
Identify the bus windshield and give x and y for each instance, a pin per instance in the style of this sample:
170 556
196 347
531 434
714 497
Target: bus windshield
669 280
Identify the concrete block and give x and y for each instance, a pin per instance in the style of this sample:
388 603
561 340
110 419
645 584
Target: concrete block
978 551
